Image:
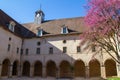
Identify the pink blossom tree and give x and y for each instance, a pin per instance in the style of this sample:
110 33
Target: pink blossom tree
103 20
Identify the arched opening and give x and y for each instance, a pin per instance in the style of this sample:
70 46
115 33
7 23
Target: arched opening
51 69
26 69
79 69
94 68
38 69
65 69
15 68
5 68
110 67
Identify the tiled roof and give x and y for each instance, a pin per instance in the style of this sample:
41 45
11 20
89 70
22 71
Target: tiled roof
50 27
19 29
53 27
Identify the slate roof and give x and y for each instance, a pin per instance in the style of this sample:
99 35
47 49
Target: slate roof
19 29
50 27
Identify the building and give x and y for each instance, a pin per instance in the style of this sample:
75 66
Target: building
49 48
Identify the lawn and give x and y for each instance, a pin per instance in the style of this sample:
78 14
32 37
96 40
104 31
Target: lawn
114 78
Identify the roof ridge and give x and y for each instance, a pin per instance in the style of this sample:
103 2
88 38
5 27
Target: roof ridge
55 20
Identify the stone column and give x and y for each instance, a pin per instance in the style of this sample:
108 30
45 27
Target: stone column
0 70
10 70
44 71
58 72
118 69
87 71
19 69
103 72
31 70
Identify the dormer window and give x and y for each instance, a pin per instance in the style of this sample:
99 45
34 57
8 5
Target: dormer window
11 26
40 32
64 30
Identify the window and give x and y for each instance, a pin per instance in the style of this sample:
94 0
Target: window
9 38
38 51
27 51
64 41
50 50
64 30
40 32
17 50
78 49
64 49
9 47
21 51
11 26
38 43
93 48
109 48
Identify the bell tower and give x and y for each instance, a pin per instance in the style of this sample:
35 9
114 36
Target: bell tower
39 16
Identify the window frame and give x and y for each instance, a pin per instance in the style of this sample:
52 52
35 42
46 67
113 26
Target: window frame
17 50
9 46
38 51
50 50
78 49
38 43
64 30
11 26
40 32
64 49
64 41
27 51
93 48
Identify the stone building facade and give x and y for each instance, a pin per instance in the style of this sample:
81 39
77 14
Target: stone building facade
49 48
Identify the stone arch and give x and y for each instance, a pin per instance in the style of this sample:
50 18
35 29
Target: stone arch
110 67
38 69
65 69
5 67
94 68
51 68
15 68
26 69
79 68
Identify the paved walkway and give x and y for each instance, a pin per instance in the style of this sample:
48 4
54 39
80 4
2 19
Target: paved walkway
26 78
49 78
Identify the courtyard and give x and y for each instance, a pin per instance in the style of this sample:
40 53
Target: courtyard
48 78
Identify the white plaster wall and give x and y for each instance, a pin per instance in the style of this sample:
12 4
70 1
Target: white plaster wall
4 41
57 43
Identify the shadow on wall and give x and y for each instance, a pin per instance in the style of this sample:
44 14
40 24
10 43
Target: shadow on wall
61 64
57 62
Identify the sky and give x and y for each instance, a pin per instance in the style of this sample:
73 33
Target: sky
23 11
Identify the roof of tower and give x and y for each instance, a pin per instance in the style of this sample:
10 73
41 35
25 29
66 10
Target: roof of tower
39 11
